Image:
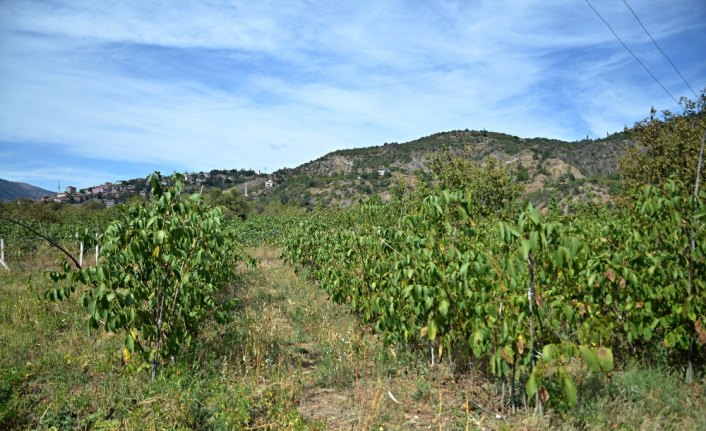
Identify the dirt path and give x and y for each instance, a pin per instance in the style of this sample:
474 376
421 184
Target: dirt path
342 375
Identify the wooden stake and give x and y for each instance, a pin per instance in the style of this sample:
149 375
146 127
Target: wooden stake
2 254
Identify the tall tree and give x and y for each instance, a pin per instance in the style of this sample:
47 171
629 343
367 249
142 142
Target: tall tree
232 201
492 186
669 144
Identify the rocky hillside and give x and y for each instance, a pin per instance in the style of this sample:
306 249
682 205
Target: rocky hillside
586 168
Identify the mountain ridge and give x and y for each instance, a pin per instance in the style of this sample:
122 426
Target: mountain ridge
11 190
544 166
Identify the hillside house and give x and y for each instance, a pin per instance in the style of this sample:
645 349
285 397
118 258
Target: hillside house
70 190
269 183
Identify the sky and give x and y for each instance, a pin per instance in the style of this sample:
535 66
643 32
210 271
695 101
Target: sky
95 91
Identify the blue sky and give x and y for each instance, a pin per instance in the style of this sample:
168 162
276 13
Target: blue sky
95 91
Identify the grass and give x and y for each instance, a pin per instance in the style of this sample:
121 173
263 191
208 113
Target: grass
290 359
54 375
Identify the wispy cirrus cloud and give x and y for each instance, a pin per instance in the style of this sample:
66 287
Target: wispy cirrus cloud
202 85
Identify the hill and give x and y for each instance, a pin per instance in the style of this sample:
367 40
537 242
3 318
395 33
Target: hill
10 190
571 170
546 167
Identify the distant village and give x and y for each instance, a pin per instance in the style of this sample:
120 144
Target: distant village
113 193
249 182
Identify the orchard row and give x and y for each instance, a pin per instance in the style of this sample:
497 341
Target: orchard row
526 297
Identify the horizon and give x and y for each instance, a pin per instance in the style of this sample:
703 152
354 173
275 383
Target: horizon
96 92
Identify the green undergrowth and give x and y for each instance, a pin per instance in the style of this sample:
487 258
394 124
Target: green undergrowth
290 359
55 376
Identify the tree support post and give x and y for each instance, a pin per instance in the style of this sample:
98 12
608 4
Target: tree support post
2 254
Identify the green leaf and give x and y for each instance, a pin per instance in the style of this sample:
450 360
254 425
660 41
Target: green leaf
605 358
533 215
130 343
464 270
568 312
590 358
432 331
525 247
92 306
444 307
477 343
558 257
531 385
159 236
569 388
550 352
534 241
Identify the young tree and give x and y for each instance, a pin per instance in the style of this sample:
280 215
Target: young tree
162 264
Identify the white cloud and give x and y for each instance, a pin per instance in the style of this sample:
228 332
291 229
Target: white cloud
243 84
178 24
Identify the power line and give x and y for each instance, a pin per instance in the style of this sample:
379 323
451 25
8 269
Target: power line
632 53
660 50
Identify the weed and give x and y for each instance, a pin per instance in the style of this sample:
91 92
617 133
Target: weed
422 389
